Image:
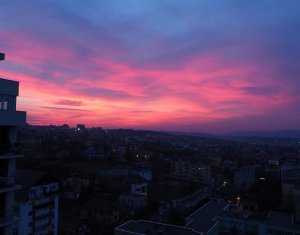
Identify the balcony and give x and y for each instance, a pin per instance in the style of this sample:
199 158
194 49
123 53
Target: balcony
52 192
46 202
12 118
41 212
42 223
43 229
41 217
8 184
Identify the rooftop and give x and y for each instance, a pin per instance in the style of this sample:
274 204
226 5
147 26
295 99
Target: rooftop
209 211
281 219
144 227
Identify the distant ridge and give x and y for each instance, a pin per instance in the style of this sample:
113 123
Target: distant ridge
196 134
279 133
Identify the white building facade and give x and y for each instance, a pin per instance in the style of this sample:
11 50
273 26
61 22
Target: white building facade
39 215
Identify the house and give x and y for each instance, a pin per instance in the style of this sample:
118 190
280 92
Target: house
133 200
93 153
74 186
137 197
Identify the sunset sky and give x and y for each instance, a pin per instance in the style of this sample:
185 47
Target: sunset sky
184 65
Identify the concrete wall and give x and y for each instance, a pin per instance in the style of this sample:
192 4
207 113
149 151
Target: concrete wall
9 87
25 219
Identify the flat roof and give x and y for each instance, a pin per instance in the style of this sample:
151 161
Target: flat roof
205 218
280 218
9 87
143 227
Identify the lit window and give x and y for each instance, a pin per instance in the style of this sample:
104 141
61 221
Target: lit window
3 104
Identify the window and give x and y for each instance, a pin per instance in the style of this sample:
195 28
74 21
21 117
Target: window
3 104
53 188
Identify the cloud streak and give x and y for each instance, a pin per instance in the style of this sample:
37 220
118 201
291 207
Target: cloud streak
68 102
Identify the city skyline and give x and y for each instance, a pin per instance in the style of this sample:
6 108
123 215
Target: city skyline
207 66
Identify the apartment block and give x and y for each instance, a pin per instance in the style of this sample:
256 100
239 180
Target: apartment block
10 119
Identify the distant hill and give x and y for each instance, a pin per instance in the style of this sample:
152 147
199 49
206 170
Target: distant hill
280 133
196 134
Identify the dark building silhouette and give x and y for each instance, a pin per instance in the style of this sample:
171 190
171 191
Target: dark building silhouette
9 120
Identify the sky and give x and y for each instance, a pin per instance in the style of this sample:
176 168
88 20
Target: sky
178 65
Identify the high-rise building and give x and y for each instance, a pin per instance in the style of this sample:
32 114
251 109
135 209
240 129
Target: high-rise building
10 119
37 203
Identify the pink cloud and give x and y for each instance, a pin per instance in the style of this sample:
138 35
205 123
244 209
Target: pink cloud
204 90
68 102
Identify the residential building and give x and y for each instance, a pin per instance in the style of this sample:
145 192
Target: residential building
219 218
37 203
123 172
137 197
297 202
273 168
93 153
194 171
10 119
133 200
241 223
290 189
74 186
287 193
244 176
190 200
139 188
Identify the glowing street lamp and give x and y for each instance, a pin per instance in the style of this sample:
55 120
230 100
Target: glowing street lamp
238 200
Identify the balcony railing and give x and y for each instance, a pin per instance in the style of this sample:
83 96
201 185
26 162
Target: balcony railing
12 118
44 204
10 154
